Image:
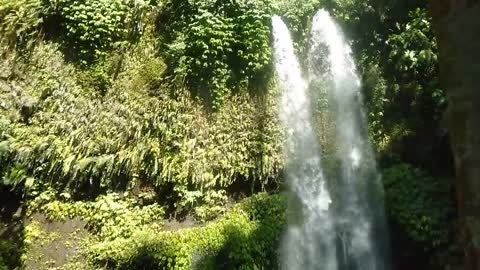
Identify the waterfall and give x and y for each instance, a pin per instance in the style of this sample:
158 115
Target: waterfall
342 228
359 212
310 238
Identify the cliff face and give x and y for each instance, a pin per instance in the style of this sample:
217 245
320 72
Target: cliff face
457 28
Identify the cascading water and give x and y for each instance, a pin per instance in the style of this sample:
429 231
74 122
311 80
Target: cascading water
358 208
344 229
310 239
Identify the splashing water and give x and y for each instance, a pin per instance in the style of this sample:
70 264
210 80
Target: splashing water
359 213
346 230
309 243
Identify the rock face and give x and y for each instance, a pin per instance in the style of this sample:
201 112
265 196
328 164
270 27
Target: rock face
457 25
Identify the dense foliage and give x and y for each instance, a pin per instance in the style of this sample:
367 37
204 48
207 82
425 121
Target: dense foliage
245 238
20 23
397 57
109 216
175 102
217 46
9 255
128 138
419 203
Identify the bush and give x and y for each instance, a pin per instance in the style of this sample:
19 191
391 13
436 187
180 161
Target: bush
10 255
108 217
245 238
75 138
20 22
421 204
217 46
93 27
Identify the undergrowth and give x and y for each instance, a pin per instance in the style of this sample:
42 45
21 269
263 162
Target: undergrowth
108 217
245 238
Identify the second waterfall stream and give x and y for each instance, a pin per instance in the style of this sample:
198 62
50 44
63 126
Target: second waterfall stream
338 223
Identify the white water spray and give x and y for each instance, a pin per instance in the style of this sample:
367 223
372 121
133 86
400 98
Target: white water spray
310 239
345 231
359 213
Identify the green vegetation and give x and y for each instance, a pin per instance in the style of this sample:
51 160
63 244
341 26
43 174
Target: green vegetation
93 27
245 238
217 47
128 138
419 202
124 114
9 255
20 23
109 216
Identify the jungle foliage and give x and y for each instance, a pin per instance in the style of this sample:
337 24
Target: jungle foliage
245 238
396 55
177 100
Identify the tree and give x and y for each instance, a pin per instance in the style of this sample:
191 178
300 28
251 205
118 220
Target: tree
457 26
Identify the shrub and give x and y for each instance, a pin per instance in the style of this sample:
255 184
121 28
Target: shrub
108 217
216 46
10 255
420 203
214 203
92 27
245 238
20 22
77 139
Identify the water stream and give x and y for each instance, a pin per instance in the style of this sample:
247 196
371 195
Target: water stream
309 241
344 228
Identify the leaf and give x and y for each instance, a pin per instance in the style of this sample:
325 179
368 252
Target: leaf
29 182
4 147
67 164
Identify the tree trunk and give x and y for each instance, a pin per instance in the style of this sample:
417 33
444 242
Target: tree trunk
457 26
